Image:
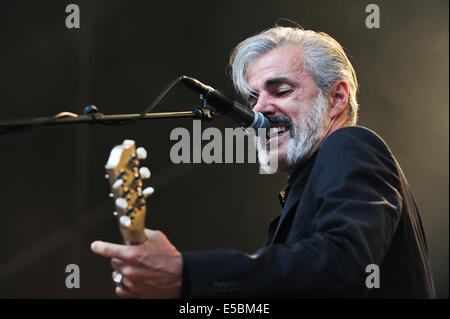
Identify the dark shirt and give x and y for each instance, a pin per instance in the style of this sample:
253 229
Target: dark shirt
348 207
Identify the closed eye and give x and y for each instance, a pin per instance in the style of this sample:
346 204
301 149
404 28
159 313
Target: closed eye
283 93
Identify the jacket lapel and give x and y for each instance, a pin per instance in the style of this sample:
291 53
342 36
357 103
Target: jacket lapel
272 227
293 197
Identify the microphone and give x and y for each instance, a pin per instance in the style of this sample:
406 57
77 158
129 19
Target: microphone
243 115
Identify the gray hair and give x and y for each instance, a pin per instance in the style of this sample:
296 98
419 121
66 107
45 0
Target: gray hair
324 59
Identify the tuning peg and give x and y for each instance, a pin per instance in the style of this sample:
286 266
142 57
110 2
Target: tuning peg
128 142
106 176
141 153
117 184
121 203
125 221
111 195
115 213
148 191
144 172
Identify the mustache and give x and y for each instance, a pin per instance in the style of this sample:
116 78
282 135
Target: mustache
280 119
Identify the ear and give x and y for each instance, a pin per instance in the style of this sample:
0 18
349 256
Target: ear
338 98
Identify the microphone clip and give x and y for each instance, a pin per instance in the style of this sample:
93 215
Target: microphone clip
204 113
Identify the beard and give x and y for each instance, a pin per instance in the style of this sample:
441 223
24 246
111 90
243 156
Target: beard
304 135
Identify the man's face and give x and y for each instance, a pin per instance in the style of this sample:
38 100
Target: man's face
288 97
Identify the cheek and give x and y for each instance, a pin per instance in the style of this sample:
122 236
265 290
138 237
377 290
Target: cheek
298 109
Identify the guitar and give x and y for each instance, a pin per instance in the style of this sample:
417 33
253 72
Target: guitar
126 180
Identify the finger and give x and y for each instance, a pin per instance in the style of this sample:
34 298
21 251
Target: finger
135 274
127 283
110 250
117 264
118 281
126 287
121 292
136 289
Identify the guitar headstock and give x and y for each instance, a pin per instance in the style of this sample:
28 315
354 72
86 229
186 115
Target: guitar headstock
126 179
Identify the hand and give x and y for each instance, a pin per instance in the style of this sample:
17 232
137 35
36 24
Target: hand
151 270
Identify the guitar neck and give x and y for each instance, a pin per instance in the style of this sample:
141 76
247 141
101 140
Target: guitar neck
126 180
134 235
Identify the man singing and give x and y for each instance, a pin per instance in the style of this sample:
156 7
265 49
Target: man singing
347 208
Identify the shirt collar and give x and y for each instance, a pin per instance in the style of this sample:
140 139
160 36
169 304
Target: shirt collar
283 194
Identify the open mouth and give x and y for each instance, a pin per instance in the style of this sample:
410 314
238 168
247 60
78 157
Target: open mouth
277 130
280 127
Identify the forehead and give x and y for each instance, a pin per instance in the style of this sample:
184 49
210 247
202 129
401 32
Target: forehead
286 61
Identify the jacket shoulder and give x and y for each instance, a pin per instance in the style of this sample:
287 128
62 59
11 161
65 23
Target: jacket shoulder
356 150
356 138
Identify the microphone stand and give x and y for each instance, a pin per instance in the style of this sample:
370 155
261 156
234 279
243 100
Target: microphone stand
91 115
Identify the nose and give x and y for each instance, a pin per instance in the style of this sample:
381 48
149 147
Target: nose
263 105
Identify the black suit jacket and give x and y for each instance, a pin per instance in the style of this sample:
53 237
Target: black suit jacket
348 206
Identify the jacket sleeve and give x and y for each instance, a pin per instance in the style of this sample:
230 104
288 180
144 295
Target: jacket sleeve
357 208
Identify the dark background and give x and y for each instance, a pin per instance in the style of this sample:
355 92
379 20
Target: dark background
53 195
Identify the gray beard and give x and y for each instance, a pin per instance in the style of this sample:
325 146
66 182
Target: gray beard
308 132
304 136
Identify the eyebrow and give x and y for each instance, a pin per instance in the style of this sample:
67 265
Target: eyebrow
269 83
278 80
